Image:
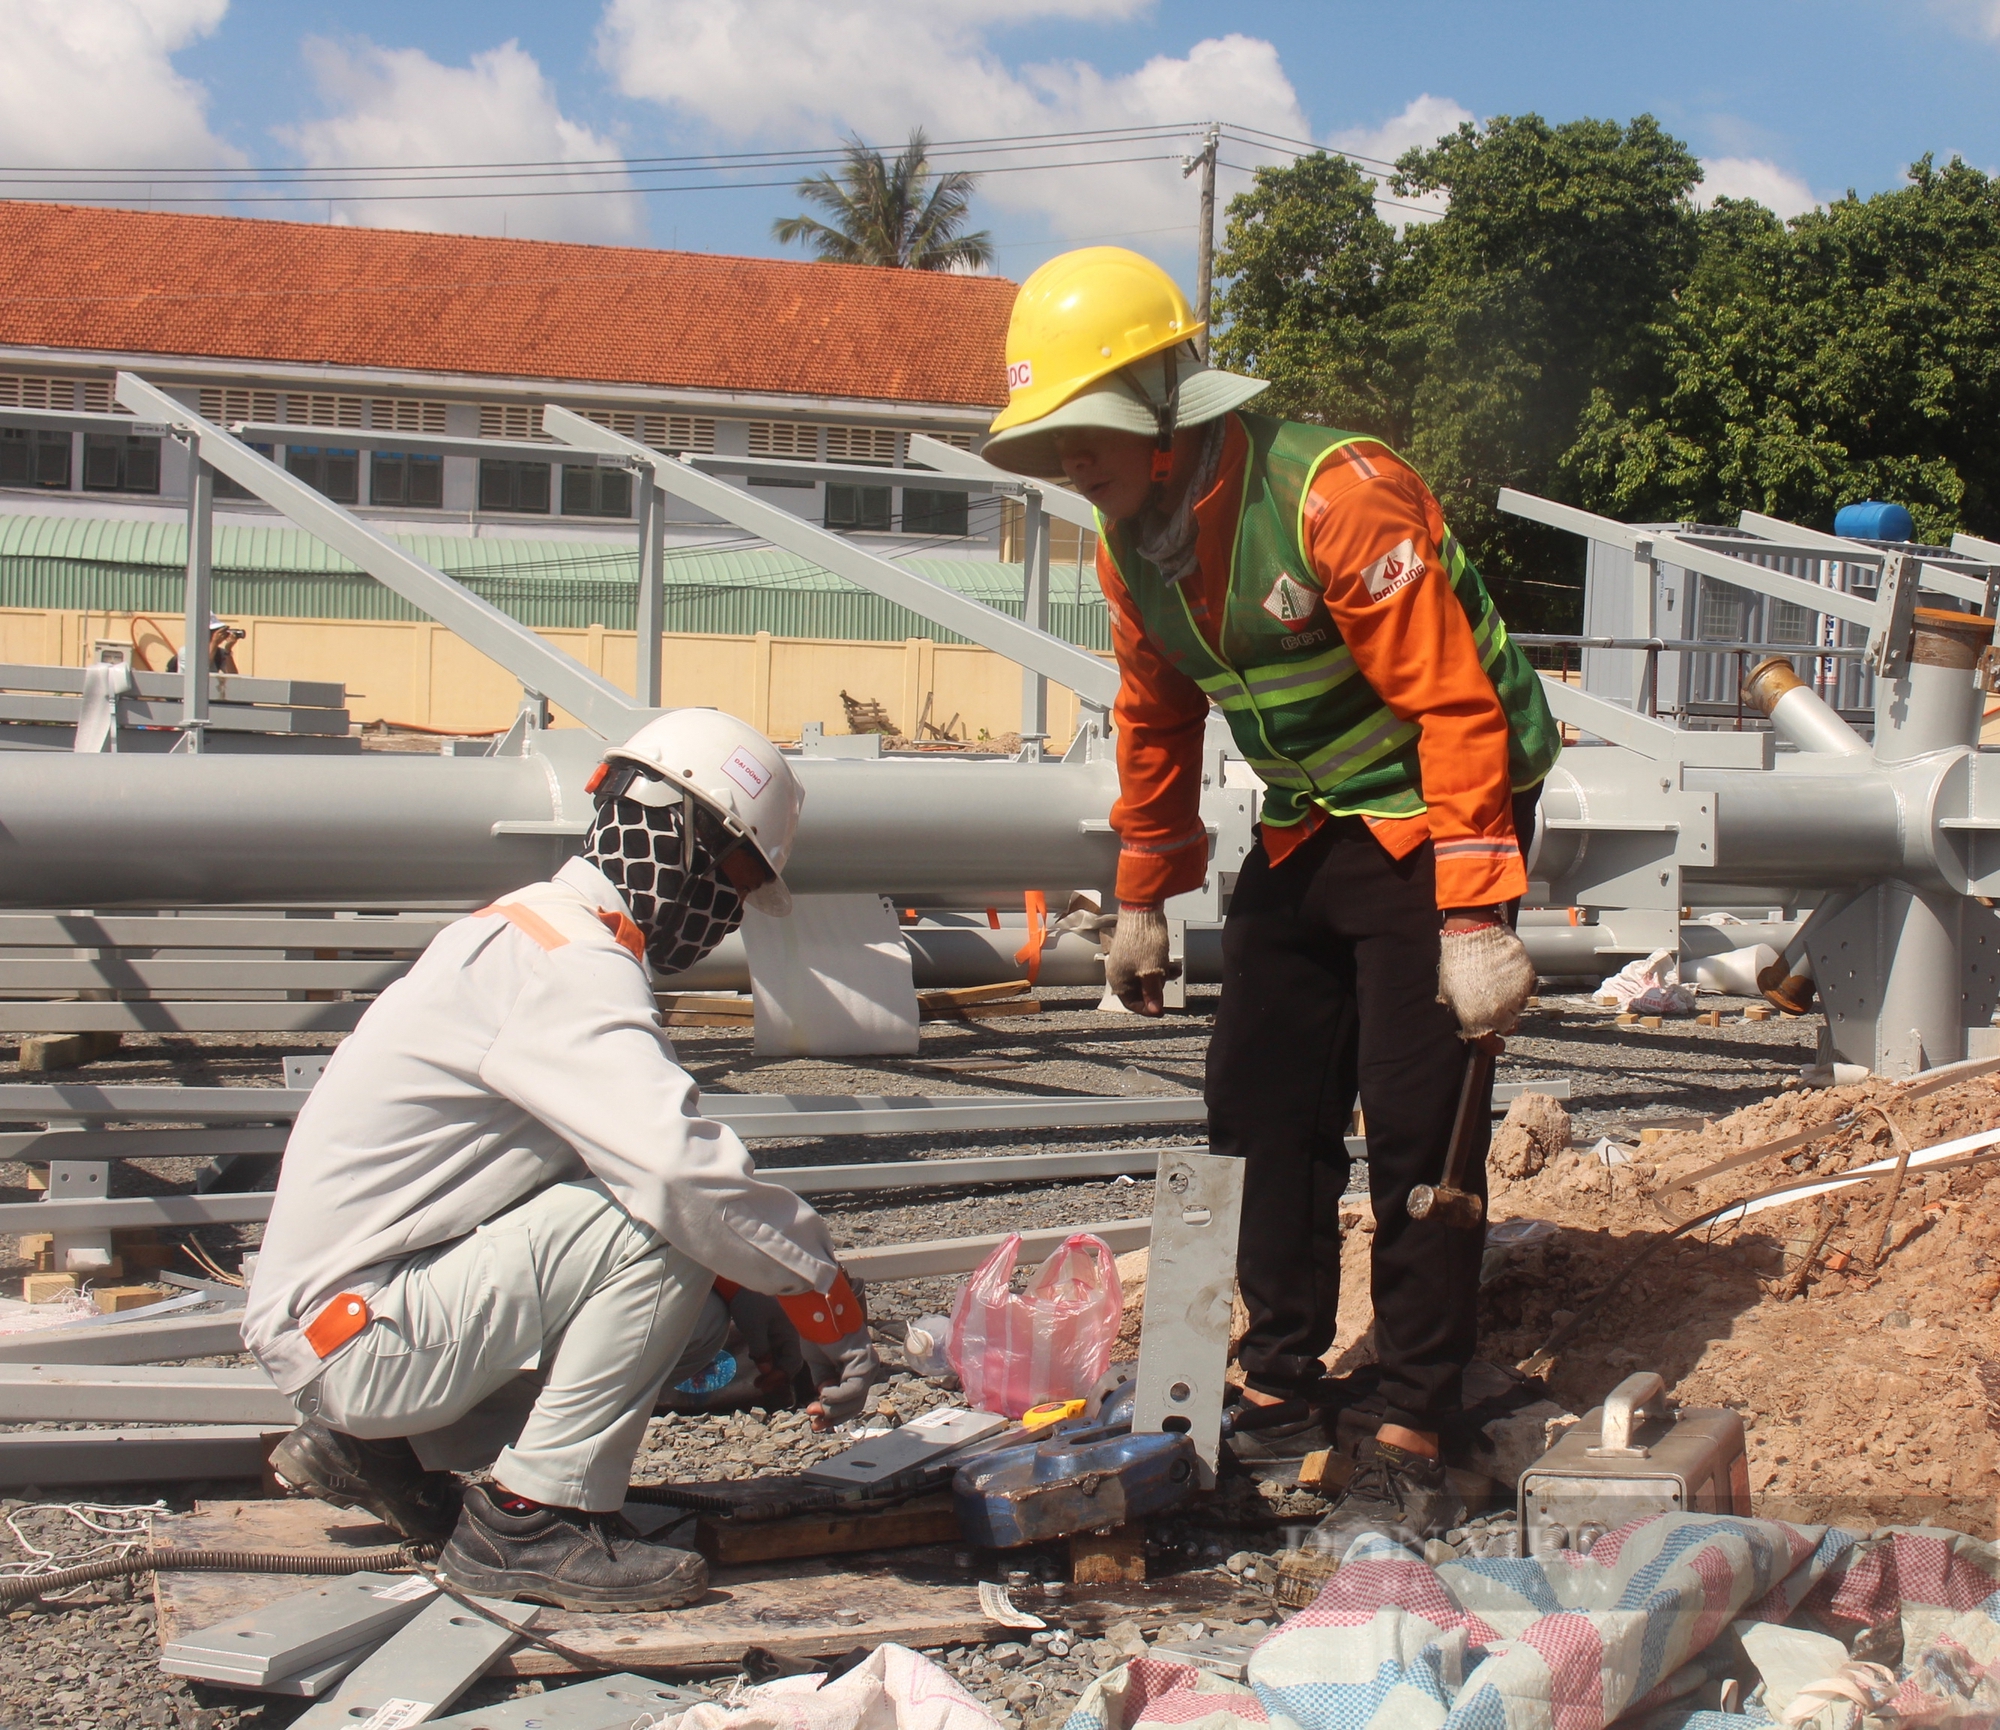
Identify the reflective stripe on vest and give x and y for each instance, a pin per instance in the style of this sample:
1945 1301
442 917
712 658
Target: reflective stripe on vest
1301 712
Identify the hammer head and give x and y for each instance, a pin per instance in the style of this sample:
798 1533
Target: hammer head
1446 1205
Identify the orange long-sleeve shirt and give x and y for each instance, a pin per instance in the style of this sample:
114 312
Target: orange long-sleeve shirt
1375 536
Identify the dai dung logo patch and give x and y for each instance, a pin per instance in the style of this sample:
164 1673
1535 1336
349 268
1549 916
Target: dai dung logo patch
1020 375
1289 601
1396 569
746 771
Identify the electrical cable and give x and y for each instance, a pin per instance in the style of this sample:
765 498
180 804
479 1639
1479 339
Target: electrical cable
16 1589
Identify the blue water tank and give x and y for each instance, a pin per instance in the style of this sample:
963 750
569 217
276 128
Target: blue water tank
1872 520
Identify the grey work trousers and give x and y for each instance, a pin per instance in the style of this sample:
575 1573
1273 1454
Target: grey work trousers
613 1311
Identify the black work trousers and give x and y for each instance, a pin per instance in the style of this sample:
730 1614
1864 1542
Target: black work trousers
1329 990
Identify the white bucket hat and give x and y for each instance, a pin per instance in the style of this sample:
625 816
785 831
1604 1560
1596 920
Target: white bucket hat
1124 402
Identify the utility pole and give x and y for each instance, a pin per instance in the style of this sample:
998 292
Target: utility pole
1204 238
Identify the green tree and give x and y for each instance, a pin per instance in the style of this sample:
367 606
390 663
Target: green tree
1475 342
1309 297
898 213
1852 353
1559 249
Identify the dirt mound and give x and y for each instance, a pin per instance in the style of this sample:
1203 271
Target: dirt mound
1871 1387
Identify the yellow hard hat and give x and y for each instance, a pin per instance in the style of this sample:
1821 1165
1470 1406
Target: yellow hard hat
1081 317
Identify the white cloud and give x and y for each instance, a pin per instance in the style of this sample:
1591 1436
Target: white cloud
1978 17
398 105
91 83
804 72
1421 124
1754 177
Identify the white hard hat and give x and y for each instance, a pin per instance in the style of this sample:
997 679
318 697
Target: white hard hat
733 770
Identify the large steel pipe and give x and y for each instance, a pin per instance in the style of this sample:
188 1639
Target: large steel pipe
111 831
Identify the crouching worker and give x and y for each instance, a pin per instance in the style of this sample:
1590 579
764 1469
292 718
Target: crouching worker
504 1165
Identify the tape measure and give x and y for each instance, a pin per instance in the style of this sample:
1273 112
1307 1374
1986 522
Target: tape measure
1040 1417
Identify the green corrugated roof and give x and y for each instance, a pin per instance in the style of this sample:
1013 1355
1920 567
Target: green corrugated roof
121 565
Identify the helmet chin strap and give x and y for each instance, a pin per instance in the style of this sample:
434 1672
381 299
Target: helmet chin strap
1165 412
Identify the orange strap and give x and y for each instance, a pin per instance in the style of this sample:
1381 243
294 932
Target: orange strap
526 921
993 918
1030 953
821 1319
628 935
337 1322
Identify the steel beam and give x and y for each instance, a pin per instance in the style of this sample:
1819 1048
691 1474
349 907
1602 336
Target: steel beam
156 1016
50 1459
165 1341
62 420
1963 585
1058 501
962 1254
841 474
563 679
408 931
200 607
140 1393
621 1702
424 444
1093 679
765 1115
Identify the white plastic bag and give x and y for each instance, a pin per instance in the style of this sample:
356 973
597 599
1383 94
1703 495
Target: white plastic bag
925 1346
1649 987
1014 1350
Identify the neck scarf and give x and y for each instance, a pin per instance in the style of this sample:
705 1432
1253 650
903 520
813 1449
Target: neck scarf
1168 541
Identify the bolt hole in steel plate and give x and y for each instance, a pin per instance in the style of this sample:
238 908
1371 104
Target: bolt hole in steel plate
1179 1392
1195 1216
1178 1179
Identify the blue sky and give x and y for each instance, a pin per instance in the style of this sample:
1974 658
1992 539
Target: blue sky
1789 100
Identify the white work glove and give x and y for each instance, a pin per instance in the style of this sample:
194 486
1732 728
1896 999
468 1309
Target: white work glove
1485 978
844 1370
1136 965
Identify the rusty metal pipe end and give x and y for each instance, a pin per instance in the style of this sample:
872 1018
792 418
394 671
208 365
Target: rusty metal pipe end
1769 680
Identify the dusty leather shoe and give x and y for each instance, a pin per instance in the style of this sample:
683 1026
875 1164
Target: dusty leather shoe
384 1478
575 1561
1404 1496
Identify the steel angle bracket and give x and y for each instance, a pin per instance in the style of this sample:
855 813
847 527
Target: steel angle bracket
1092 678
425 1665
1190 1285
1894 629
595 701
296 1633
610 1703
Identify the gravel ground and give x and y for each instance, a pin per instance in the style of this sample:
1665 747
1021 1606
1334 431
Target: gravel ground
91 1662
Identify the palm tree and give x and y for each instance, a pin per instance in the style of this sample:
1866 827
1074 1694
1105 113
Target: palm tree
898 215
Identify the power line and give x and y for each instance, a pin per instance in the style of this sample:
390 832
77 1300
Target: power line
718 160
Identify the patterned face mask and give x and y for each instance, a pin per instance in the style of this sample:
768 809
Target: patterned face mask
680 896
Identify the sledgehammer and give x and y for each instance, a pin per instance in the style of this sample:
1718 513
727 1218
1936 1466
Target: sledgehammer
1451 1202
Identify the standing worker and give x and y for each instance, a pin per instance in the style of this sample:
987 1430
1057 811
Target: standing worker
503 1160
1303 581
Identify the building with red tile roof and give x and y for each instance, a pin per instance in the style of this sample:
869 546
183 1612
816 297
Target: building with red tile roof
336 328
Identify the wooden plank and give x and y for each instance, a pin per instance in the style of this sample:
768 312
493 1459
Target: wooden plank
917 1598
1001 1011
158 1017
731 1543
957 996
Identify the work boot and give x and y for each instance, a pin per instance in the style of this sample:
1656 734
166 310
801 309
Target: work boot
384 1478
565 1557
1404 1496
1264 1437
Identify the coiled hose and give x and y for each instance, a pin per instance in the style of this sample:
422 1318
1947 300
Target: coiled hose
18 1588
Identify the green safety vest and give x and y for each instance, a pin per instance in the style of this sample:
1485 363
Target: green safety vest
1311 726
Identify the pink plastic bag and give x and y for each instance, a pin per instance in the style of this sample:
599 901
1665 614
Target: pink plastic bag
1013 1350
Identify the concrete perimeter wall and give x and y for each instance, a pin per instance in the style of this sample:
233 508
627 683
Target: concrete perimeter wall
418 674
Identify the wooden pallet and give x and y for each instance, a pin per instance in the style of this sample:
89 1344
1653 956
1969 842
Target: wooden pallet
921 1598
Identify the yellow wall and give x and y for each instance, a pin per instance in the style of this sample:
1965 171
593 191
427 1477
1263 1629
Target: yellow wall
419 674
